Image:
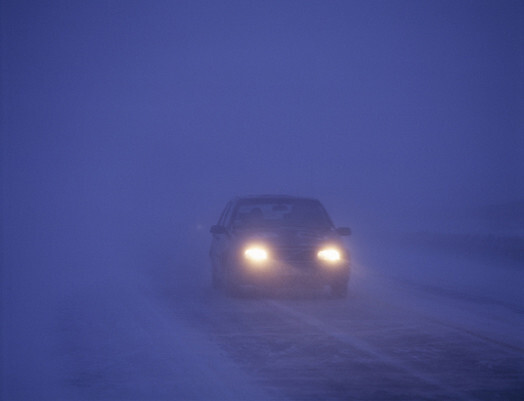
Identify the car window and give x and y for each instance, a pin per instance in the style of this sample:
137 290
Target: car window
289 212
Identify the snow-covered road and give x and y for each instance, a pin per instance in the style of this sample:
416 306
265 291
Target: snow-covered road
158 331
390 340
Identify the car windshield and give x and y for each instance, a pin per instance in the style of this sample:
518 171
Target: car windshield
280 212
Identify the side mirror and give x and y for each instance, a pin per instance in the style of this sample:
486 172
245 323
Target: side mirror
216 229
344 231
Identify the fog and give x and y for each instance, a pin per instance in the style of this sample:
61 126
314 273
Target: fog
170 109
127 125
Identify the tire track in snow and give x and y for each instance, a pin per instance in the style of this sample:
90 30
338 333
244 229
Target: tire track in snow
367 348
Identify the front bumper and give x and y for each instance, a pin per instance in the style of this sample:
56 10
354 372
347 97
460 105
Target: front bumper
280 273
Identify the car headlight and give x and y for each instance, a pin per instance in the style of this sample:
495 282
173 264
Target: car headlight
256 253
330 254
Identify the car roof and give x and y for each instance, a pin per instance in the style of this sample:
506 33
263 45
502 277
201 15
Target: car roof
272 197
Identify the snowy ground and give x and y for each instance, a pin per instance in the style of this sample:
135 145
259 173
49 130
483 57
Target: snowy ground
419 324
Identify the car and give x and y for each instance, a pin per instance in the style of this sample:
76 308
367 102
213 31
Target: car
275 241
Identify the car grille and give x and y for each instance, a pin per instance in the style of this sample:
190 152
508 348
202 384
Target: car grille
296 254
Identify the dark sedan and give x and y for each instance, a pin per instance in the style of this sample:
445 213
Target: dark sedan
276 241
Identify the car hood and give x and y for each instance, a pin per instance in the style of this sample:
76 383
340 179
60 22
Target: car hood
287 236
